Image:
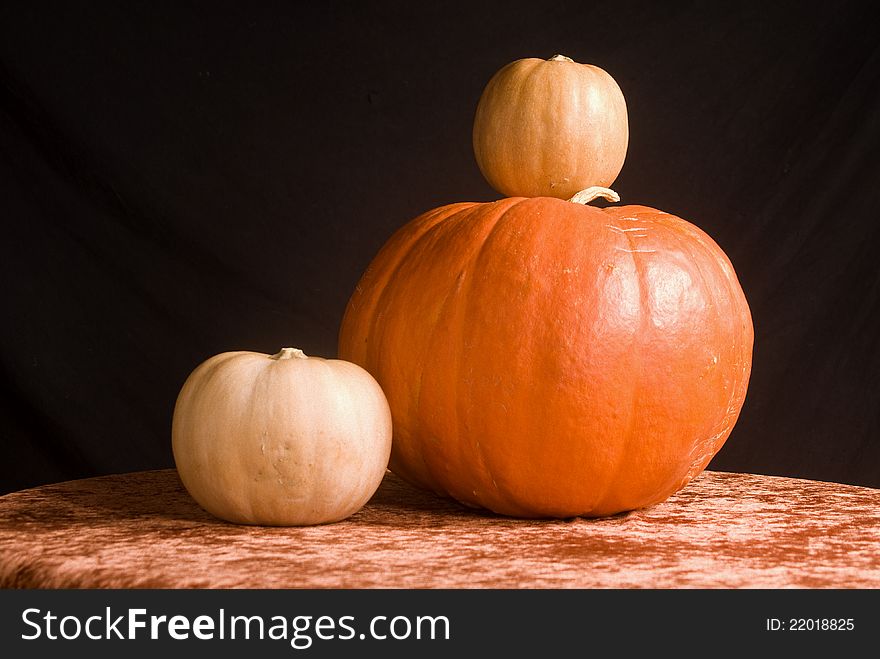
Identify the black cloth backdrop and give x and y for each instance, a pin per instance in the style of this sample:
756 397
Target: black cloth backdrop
184 180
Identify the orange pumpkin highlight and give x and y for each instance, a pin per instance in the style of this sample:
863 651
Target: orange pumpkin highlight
542 358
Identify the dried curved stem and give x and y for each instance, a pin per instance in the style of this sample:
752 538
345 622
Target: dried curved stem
592 193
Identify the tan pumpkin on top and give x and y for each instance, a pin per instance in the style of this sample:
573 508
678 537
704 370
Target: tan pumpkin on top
550 128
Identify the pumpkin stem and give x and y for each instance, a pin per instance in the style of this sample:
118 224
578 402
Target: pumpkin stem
587 195
560 58
290 353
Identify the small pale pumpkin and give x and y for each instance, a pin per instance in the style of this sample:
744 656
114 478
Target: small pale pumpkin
550 128
281 440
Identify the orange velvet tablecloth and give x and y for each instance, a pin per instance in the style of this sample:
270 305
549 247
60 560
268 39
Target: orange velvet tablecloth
724 530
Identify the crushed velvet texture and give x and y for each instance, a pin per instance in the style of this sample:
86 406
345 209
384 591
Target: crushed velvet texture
725 530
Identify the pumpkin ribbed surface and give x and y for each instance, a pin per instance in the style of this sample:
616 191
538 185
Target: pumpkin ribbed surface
550 128
547 359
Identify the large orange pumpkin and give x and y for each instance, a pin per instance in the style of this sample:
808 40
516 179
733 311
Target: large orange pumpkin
544 358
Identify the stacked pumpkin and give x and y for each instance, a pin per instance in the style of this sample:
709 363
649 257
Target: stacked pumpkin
535 356
542 357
